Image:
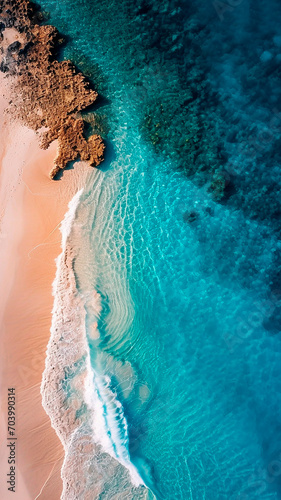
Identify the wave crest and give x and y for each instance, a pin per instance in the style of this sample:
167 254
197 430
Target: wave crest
84 412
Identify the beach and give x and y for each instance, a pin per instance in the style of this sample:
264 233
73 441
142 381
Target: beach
32 207
56 438
140 302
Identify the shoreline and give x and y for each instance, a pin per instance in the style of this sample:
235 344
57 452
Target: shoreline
59 455
42 133
59 451
71 395
31 212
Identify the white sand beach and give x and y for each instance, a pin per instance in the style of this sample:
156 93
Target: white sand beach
31 209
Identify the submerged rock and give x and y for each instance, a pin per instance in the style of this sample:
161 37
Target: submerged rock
190 216
217 187
266 56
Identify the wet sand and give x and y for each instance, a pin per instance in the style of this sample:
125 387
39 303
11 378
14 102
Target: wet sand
31 209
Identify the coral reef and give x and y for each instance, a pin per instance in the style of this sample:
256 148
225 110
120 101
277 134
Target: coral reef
211 102
47 95
178 119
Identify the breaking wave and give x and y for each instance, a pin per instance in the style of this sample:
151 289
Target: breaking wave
84 410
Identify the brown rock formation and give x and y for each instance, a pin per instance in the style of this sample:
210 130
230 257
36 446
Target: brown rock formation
47 94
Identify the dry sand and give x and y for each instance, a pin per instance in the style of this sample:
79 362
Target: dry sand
31 209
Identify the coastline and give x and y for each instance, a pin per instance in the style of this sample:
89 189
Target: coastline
41 133
31 212
73 395
58 454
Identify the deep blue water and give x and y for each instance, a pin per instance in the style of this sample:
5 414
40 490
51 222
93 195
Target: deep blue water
181 235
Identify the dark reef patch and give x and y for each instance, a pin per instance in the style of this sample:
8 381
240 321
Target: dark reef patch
224 135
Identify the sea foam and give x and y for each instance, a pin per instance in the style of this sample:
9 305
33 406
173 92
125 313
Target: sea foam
85 413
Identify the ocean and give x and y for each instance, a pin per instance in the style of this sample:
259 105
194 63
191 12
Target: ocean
177 262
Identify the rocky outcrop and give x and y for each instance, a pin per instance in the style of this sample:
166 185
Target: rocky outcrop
47 94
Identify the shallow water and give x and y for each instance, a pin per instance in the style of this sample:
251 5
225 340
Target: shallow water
188 312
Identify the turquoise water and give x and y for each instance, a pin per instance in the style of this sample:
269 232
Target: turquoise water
188 280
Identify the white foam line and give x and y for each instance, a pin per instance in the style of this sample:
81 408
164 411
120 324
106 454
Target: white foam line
64 314
99 425
65 229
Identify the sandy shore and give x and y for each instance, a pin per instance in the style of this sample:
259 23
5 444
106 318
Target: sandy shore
31 209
